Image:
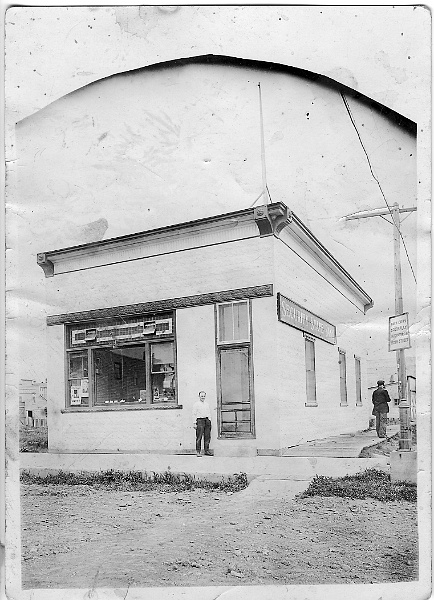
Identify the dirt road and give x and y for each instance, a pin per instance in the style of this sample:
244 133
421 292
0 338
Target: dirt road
83 536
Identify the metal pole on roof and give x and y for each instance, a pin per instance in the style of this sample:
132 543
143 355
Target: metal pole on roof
264 168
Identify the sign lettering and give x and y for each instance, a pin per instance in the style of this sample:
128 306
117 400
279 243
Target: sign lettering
399 333
294 315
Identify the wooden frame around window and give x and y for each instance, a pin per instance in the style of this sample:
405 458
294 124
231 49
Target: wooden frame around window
311 384
221 346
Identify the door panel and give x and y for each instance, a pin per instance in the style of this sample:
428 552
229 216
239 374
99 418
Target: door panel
235 393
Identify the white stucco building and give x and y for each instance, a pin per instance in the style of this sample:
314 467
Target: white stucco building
248 306
164 161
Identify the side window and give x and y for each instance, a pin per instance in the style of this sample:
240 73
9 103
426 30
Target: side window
358 381
343 377
309 346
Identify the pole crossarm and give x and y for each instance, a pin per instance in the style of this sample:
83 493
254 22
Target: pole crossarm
376 212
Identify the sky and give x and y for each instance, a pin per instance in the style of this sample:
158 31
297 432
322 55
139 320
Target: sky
51 51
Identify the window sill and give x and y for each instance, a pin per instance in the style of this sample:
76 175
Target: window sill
87 409
236 436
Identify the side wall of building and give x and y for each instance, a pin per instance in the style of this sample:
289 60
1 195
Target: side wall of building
319 292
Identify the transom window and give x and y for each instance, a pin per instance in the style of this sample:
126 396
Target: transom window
233 322
122 362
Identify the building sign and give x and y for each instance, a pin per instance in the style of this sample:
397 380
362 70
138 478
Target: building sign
292 314
399 334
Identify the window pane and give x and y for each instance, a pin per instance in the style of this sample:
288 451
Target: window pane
310 372
358 382
235 375
225 320
241 321
233 322
228 427
343 377
163 372
310 355
78 382
243 427
119 375
228 417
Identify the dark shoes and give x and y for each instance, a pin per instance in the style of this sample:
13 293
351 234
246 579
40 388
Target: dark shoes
208 453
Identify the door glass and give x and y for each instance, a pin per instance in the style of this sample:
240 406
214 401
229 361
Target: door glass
235 415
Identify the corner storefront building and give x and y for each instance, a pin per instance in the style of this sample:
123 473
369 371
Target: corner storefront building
248 306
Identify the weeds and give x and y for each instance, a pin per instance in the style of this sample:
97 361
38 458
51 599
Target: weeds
371 483
138 480
33 439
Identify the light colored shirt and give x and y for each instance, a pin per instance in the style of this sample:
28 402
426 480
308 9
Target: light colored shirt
201 410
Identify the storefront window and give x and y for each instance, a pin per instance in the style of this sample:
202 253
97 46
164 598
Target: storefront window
123 363
163 372
119 375
78 379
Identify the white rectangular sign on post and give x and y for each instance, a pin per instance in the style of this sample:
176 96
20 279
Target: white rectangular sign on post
399 334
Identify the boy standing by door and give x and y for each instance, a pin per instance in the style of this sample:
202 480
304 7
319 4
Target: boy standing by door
202 424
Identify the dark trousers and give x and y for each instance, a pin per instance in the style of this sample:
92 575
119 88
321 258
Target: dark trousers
203 430
381 423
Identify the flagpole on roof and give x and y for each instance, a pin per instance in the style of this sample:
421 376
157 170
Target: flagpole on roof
265 192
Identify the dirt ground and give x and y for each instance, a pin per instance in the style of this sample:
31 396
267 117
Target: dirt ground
84 536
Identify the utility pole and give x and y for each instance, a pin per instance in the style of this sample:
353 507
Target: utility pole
404 404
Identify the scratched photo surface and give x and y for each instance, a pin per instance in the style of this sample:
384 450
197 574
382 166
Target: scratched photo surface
231 200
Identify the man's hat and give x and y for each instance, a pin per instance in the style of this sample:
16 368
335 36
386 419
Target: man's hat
380 382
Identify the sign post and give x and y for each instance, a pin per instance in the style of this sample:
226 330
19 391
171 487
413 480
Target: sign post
399 338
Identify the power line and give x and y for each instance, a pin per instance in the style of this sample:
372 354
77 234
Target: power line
345 101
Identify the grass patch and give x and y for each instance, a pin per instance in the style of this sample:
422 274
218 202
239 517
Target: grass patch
371 483
33 439
138 480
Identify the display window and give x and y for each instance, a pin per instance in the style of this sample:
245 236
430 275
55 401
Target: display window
124 363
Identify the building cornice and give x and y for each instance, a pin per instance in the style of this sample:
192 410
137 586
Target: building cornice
261 221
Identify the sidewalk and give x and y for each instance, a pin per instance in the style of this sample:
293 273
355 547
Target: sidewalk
347 445
333 457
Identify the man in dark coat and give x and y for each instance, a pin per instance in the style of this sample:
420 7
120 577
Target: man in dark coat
380 399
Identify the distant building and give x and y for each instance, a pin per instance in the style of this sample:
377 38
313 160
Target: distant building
248 306
33 402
